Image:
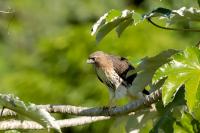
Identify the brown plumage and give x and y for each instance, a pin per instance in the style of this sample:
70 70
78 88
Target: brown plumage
112 70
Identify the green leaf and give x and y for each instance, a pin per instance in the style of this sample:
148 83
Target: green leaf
164 124
140 120
123 25
106 28
99 23
137 18
112 14
166 120
198 2
30 111
107 17
185 124
147 68
118 125
174 16
114 19
184 69
158 13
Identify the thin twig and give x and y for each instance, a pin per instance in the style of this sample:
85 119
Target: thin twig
6 12
174 29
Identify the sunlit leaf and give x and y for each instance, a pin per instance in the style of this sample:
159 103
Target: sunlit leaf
147 68
98 24
137 18
184 69
112 14
184 125
123 25
105 29
114 19
113 22
174 16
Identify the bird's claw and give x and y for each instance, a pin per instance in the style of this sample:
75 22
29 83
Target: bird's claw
108 107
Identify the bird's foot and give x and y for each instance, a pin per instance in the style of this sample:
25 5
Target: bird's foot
108 107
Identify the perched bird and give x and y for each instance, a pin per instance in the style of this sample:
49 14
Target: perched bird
112 71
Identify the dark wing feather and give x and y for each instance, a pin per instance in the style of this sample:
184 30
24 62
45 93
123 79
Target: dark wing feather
146 92
99 78
121 67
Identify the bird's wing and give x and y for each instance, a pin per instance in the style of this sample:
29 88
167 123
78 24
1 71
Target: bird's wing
99 78
121 67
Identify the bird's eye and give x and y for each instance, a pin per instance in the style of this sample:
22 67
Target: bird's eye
92 58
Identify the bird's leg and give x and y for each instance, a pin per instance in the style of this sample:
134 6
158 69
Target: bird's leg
139 96
112 102
133 97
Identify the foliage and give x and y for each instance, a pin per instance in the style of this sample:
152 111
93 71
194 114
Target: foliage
147 68
44 46
122 20
177 72
182 70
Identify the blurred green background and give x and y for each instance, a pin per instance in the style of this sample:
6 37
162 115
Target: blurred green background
44 46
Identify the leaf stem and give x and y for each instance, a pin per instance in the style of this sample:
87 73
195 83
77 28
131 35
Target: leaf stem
173 29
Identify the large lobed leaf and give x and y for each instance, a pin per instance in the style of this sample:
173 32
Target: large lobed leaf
147 68
30 111
183 69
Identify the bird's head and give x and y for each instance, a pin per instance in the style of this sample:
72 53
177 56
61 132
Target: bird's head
98 58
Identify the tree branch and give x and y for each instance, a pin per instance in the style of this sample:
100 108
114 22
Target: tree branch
99 111
88 114
24 125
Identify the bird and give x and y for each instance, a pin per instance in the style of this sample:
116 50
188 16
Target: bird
112 71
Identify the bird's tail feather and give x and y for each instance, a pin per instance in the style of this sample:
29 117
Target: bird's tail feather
145 92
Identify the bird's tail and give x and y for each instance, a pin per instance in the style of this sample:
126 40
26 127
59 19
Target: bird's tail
145 92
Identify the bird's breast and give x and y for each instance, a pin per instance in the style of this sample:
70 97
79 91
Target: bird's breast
115 84
109 77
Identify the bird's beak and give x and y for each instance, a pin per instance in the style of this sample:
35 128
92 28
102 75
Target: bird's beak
90 61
